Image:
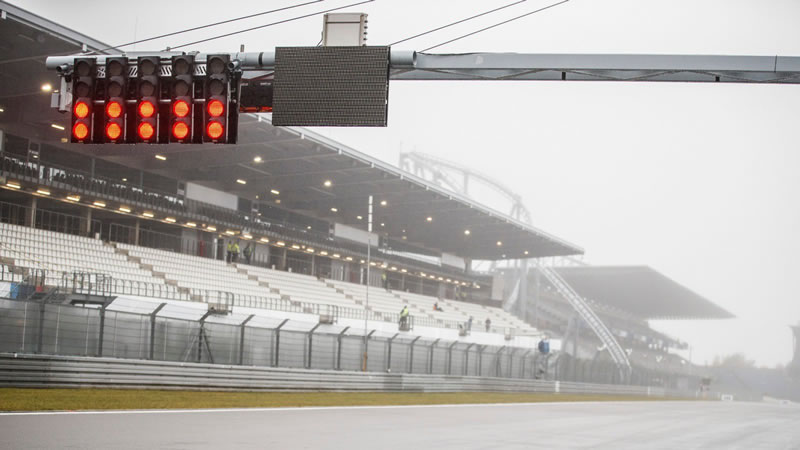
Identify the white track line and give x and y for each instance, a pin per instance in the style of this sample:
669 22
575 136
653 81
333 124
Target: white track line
308 408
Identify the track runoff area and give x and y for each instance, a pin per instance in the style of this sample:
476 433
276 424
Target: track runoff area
617 425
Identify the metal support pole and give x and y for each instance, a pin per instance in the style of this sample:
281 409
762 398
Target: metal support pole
481 348
241 337
389 356
450 357
278 342
311 344
466 358
153 329
40 339
411 355
201 335
430 355
511 362
339 348
522 369
498 369
101 332
366 348
366 297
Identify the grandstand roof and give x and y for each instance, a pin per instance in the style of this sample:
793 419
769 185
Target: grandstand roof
295 162
641 291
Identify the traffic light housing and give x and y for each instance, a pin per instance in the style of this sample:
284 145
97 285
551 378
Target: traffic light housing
116 93
181 123
217 99
83 93
148 93
127 100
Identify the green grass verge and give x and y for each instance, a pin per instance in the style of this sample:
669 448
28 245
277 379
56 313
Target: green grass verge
95 399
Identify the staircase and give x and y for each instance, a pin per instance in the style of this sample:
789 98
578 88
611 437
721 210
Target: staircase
580 305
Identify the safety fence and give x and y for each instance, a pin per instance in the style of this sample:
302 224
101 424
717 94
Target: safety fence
163 332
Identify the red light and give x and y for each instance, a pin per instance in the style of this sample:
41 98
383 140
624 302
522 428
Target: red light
81 110
215 130
215 108
180 108
146 130
180 130
113 110
146 109
80 131
113 131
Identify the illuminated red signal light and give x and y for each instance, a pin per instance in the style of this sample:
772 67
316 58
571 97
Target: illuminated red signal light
113 131
180 130
80 131
215 130
146 109
146 130
180 108
215 108
81 110
113 110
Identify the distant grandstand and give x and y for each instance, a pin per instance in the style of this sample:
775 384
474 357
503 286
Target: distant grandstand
127 229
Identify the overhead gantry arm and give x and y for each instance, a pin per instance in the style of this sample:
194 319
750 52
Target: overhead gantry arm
595 67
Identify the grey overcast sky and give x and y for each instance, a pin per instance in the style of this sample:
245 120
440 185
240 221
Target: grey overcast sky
698 181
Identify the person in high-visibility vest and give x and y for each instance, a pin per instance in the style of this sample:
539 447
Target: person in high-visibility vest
404 317
235 256
229 255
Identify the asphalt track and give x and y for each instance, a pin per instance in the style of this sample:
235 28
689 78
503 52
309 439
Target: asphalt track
612 425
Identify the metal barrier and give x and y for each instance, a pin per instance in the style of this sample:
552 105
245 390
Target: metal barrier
25 370
193 335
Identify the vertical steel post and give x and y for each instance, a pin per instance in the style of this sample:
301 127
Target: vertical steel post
369 260
366 348
278 342
241 337
389 355
40 339
481 348
153 329
311 344
522 369
411 355
450 357
430 355
101 333
466 359
339 348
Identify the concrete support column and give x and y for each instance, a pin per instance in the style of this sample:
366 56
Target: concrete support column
136 232
313 264
87 221
30 218
283 258
441 290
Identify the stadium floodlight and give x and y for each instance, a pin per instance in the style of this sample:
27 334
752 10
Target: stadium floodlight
83 91
148 93
116 92
182 99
